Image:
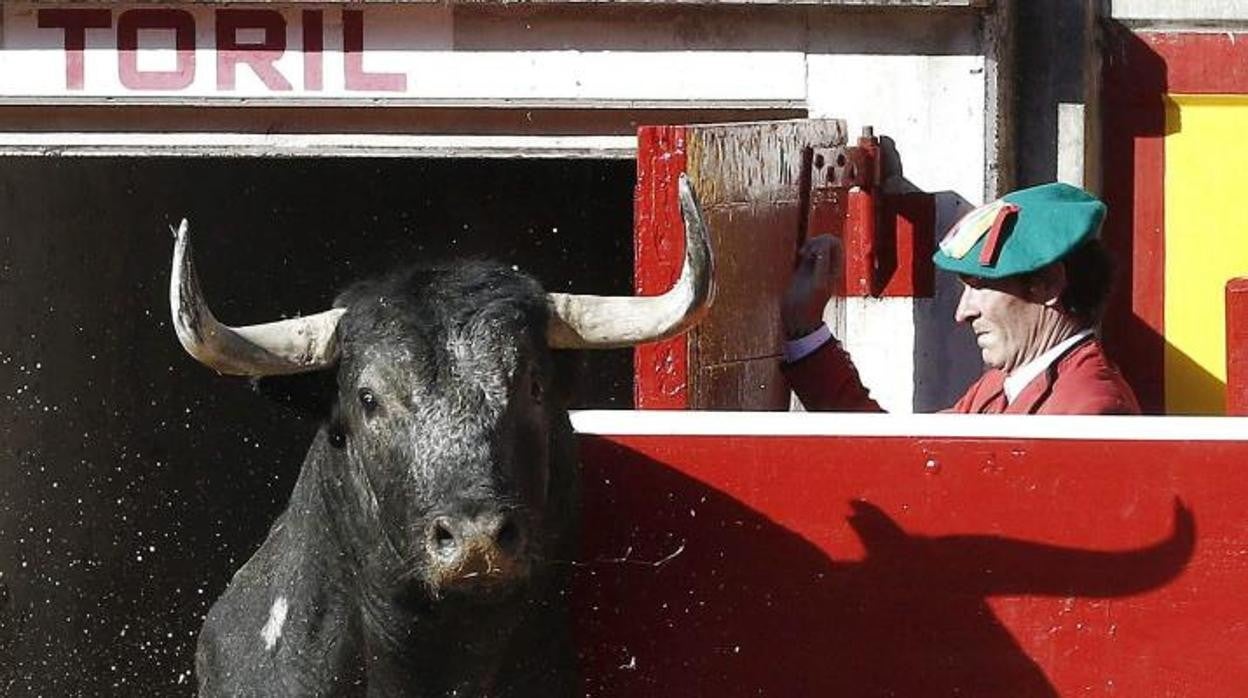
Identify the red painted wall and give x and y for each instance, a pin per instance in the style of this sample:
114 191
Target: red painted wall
863 566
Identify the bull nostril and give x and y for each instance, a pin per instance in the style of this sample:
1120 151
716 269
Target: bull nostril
442 537
508 537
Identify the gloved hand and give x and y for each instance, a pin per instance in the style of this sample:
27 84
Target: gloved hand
818 270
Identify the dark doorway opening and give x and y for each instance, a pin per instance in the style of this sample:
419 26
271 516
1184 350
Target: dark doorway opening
133 482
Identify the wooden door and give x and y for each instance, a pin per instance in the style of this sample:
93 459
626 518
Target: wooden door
749 179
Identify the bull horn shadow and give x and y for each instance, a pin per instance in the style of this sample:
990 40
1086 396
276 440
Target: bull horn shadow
953 642
992 565
752 607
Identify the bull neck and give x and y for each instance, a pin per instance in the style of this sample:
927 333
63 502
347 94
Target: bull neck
1020 377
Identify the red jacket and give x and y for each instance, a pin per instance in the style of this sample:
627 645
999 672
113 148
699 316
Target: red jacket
1081 381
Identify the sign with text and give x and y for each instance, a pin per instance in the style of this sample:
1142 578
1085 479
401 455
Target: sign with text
402 52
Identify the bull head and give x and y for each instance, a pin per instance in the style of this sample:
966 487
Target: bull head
310 343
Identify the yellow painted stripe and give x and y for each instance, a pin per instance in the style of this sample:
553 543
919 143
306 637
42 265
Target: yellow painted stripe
1206 204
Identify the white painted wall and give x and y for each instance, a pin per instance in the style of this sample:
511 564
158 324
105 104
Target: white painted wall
433 54
920 81
1180 10
919 78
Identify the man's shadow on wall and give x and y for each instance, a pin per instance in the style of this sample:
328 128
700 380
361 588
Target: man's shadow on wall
945 357
704 596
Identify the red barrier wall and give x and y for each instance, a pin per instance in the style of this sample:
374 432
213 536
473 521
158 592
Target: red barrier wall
862 565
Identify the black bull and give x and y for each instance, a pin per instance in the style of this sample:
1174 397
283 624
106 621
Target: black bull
420 552
409 556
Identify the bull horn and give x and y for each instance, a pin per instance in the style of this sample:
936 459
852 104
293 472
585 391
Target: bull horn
607 322
287 346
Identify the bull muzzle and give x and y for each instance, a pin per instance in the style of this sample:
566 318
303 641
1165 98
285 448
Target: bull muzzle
576 322
476 554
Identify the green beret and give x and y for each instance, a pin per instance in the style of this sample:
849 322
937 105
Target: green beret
1021 232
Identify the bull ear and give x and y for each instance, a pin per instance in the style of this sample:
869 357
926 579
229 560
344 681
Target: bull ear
310 394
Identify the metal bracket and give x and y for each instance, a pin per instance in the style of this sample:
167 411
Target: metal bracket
844 181
887 238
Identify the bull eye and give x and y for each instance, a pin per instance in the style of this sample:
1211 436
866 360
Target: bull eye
368 401
337 438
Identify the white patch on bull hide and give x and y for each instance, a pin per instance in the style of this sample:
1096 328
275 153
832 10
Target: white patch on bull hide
272 630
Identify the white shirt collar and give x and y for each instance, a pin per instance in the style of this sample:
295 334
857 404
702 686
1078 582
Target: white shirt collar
1021 376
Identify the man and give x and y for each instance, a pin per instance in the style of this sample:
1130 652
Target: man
1035 281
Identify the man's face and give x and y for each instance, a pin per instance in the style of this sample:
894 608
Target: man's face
1005 322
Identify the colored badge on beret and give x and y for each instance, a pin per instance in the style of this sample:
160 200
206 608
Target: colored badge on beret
1020 232
985 220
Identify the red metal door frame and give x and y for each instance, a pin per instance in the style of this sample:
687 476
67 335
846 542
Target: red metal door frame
1140 69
